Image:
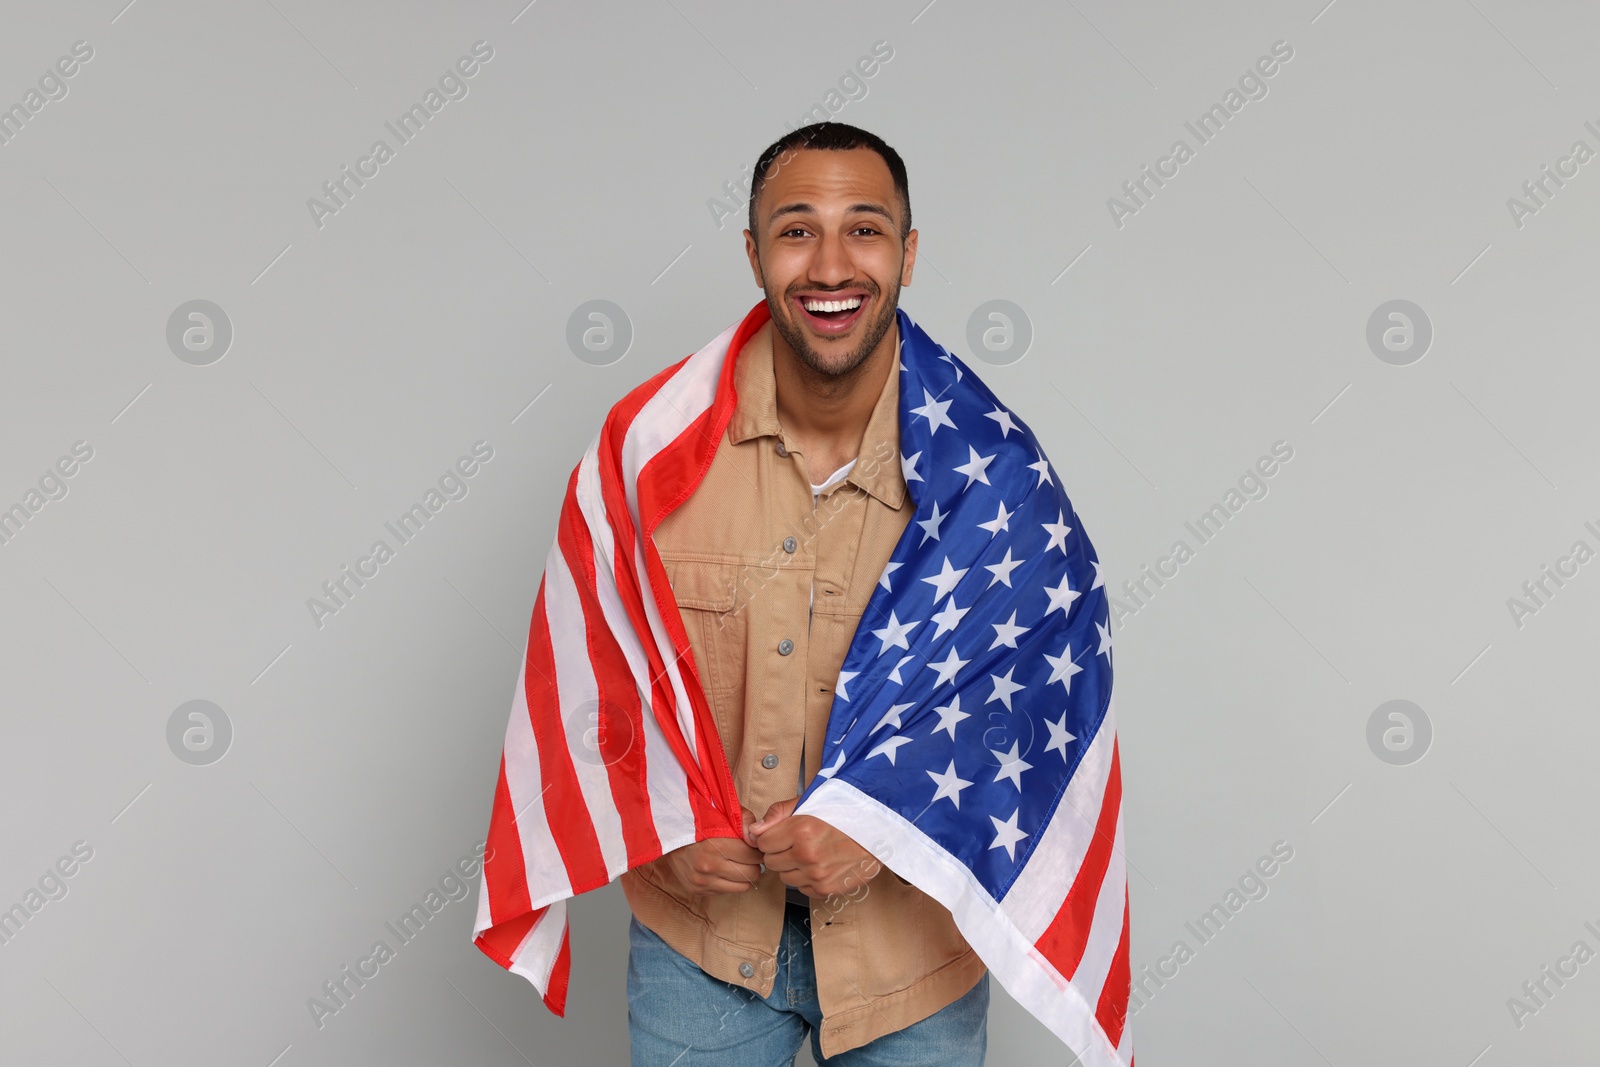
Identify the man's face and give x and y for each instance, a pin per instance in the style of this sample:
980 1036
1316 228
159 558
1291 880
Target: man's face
830 236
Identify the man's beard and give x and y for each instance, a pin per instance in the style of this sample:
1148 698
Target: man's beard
782 308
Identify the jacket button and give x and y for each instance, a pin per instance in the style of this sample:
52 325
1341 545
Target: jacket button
746 970
782 451
790 544
785 647
769 761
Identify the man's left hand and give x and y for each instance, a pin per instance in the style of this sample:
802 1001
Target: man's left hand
810 854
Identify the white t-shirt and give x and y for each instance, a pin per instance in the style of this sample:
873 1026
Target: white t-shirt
833 479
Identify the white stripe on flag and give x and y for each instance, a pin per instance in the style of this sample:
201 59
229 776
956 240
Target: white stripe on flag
674 673
678 402
986 925
525 788
535 958
666 781
482 920
1038 892
1106 932
578 700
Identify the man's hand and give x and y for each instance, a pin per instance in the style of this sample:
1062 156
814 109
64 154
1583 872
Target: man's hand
718 864
810 854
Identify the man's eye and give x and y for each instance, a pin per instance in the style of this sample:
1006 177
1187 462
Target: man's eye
787 233
865 229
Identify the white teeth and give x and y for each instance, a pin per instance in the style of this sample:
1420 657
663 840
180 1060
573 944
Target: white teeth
833 305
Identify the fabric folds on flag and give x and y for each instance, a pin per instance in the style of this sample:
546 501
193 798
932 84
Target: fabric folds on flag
971 745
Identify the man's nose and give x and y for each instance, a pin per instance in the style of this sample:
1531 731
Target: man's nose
832 264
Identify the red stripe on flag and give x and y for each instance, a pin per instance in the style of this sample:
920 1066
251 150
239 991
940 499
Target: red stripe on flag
501 941
556 997
1064 940
568 815
1112 1011
505 869
621 728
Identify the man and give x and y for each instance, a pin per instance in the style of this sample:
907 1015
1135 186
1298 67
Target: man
809 463
820 669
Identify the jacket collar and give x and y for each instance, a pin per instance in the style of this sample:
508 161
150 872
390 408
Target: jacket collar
755 414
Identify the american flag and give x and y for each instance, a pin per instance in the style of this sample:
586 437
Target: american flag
971 746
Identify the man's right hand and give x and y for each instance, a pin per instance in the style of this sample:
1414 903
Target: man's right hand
717 864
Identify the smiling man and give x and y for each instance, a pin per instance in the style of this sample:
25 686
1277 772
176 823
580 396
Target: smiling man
737 949
820 670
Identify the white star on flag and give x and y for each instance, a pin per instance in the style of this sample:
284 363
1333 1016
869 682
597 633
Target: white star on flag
890 718
1105 642
844 678
934 411
1006 633
1058 531
908 467
974 468
1059 736
947 669
999 522
1043 467
895 674
1060 596
1004 687
1011 766
950 785
888 569
1062 668
888 747
828 772
949 358
930 525
948 617
1007 835
1002 570
949 715
1003 417
894 634
945 580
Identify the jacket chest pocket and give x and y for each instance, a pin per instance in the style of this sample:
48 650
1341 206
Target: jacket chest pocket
717 621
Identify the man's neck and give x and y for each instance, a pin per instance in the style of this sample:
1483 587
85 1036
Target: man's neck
823 417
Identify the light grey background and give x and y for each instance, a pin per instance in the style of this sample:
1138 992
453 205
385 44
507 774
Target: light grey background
369 354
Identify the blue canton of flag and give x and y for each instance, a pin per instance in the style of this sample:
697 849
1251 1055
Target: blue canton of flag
972 744
983 661
972 729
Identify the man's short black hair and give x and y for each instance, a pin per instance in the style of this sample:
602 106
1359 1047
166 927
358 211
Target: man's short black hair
830 136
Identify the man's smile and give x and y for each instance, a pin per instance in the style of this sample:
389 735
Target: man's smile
832 314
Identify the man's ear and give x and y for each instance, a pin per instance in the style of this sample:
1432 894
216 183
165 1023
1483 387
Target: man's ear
755 260
910 258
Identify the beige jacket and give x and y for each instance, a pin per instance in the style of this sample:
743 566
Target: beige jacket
771 587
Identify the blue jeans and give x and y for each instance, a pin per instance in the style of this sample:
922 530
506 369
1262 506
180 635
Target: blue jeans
680 1016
